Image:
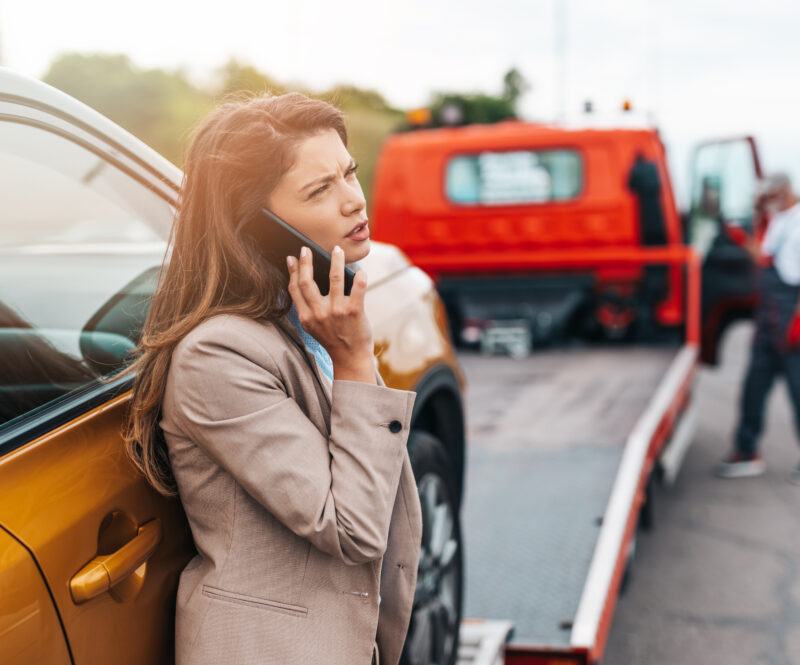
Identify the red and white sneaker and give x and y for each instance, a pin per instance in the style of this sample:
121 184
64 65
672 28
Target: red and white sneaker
738 465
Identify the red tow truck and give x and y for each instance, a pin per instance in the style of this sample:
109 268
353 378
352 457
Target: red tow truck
569 243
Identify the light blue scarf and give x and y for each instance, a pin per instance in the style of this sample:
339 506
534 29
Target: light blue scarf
320 354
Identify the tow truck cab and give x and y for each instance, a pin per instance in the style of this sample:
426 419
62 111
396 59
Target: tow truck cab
540 226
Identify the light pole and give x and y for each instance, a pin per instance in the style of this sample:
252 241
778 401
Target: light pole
561 58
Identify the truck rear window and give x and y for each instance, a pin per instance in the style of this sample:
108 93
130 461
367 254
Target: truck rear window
514 177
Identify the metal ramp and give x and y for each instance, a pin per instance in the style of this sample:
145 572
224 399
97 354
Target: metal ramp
482 642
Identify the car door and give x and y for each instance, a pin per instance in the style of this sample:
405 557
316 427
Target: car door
81 239
29 628
720 226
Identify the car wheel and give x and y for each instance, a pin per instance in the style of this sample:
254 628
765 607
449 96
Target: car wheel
436 615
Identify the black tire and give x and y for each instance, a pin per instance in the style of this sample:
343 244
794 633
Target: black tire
628 572
436 615
647 516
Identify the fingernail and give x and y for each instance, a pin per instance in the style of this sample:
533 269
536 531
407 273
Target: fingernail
337 250
289 261
304 251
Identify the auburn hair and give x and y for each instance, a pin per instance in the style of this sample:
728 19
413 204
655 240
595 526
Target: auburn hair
235 157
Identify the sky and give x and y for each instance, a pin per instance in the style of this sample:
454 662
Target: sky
694 68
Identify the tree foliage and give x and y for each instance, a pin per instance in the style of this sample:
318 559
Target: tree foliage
160 107
460 109
456 108
235 77
157 106
514 85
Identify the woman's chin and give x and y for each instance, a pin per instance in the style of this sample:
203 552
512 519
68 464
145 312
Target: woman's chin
357 253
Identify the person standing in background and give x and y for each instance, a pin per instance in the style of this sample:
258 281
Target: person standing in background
776 342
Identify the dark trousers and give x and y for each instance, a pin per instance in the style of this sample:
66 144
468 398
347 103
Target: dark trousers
769 359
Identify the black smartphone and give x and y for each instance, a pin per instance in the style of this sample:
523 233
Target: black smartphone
277 239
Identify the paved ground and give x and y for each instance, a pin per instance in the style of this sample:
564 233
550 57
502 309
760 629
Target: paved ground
718 580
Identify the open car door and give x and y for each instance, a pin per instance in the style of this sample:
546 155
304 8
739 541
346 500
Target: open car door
720 226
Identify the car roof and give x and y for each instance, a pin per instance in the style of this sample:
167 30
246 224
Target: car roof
24 90
514 132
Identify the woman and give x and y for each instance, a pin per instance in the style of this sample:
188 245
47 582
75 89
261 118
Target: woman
287 450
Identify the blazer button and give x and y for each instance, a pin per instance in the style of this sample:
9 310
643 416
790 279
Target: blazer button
395 426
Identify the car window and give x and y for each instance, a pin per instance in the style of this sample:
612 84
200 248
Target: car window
723 188
79 258
514 177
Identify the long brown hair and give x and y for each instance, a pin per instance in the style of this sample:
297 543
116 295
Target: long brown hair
235 157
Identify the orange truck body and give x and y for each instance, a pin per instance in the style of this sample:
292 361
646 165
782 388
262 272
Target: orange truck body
571 235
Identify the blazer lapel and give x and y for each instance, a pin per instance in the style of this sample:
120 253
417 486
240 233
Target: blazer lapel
405 531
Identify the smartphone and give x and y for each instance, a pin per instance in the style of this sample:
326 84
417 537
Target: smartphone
277 239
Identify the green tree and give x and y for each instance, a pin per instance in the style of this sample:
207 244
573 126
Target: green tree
157 106
456 108
160 107
514 85
461 109
237 77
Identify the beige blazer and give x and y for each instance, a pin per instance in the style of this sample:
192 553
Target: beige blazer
301 501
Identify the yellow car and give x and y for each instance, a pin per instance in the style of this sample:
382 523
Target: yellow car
89 554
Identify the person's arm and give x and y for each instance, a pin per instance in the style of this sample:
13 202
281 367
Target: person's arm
793 329
792 247
750 243
338 492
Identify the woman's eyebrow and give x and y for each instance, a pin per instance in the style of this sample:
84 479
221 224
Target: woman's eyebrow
326 178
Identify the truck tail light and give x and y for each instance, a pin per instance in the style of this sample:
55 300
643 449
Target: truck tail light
519 655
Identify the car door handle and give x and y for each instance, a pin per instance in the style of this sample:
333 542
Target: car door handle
104 571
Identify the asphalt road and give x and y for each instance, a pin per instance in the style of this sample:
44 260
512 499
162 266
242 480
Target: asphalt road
718 579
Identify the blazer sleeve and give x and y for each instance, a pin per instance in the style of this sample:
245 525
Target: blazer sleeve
337 492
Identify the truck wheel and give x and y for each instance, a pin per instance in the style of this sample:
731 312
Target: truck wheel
647 516
626 575
436 615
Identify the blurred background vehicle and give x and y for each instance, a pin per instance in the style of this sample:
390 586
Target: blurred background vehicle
519 224
543 236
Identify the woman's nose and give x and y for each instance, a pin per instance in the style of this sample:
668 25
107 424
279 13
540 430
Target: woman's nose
354 200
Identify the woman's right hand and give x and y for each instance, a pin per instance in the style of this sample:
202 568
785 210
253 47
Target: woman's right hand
336 321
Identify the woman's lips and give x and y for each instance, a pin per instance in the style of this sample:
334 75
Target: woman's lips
359 235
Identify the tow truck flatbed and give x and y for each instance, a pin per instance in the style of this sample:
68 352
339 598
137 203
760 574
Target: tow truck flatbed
561 446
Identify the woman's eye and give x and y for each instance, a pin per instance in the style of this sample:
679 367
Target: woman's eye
350 172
